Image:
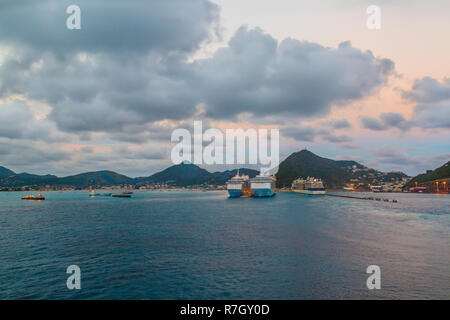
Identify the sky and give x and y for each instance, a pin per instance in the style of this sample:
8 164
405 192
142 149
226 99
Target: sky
109 95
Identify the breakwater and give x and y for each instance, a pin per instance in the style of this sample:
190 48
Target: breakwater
361 198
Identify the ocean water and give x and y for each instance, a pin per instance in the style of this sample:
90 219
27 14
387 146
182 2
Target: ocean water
202 245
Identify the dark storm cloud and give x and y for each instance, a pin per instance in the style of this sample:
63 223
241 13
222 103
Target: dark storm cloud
154 132
123 66
100 92
257 75
169 25
129 67
27 154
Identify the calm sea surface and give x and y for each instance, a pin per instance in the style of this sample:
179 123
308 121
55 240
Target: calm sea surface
201 245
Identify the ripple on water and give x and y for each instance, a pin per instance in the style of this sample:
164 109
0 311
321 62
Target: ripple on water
201 245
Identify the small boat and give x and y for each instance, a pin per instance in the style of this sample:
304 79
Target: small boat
122 195
38 197
127 192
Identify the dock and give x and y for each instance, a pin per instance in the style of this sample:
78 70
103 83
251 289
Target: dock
361 198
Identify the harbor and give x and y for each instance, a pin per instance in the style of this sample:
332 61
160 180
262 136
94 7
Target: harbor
290 246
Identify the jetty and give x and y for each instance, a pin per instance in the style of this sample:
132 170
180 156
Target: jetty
359 198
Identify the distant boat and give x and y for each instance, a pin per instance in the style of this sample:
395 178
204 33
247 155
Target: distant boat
38 197
94 194
127 192
122 195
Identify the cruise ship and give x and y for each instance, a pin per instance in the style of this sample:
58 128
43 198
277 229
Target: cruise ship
262 186
238 186
309 185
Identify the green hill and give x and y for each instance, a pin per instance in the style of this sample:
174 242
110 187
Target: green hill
439 173
305 163
97 178
178 175
5 172
83 180
189 174
181 175
334 173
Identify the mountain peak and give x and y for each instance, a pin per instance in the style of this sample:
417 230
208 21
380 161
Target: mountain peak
304 163
5 172
306 152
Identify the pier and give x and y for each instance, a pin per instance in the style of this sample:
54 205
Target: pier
360 198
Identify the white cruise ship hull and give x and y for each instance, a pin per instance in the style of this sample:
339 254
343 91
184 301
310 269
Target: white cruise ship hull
262 189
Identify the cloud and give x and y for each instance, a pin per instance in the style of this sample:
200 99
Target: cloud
336 138
130 75
146 153
429 90
432 116
372 124
124 66
309 133
397 159
300 133
30 155
122 27
390 155
91 89
433 103
100 93
387 121
258 75
395 120
18 121
340 124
